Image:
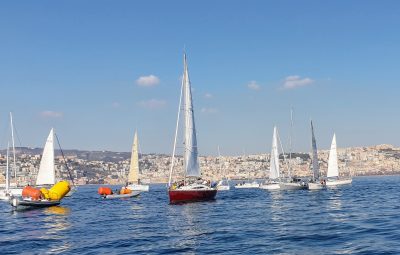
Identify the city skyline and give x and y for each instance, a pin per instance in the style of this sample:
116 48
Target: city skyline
96 73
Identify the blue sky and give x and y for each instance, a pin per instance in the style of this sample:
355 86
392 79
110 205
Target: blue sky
96 70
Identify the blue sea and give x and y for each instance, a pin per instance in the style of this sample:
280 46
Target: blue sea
362 218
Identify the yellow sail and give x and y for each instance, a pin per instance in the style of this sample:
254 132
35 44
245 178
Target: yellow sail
134 168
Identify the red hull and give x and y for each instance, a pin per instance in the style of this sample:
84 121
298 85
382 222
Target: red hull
179 196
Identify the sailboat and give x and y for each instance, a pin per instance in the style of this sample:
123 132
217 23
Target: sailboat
11 190
315 183
47 174
332 175
291 183
274 174
133 177
223 184
35 198
6 194
192 188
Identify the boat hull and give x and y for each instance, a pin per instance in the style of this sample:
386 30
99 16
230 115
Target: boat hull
13 192
181 196
30 204
270 186
247 186
338 182
138 187
292 186
223 187
132 194
315 186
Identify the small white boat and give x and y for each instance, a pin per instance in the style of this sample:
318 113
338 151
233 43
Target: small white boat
270 186
294 184
337 182
27 203
223 186
132 194
274 173
224 183
316 183
9 190
332 175
316 186
247 185
133 177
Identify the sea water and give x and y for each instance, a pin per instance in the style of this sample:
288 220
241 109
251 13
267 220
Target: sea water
361 218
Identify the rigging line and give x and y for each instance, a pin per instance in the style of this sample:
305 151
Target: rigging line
16 132
65 161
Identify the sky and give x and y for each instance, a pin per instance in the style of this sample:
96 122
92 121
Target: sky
98 70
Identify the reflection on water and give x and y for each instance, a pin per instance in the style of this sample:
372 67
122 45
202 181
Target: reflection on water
55 224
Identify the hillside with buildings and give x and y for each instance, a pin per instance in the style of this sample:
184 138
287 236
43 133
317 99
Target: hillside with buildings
91 167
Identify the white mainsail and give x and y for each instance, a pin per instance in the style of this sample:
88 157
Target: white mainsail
274 162
46 174
333 169
315 163
134 167
191 155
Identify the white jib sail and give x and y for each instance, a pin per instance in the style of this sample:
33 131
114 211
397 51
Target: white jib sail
315 163
274 162
134 167
191 155
333 169
46 174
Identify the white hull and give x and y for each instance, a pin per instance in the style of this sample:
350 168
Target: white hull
223 187
132 194
292 186
338 182
247 186
315 186
138 187
5 195
270 186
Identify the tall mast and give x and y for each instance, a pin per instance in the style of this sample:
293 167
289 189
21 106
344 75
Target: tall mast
7 168
290 142
13 145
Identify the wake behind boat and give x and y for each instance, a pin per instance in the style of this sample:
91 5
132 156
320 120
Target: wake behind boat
192 188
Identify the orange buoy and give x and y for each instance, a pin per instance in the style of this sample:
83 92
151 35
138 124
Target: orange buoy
125 191
31 192
104 191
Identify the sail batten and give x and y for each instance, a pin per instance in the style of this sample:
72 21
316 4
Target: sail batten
274 162
46 174
333 169
134 166
315 163
192 168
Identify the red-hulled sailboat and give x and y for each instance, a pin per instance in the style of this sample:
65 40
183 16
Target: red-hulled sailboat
192 188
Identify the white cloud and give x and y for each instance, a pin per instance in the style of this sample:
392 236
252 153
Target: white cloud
208 95
295 81
148 81
51 114
253 85
152 103
208 110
